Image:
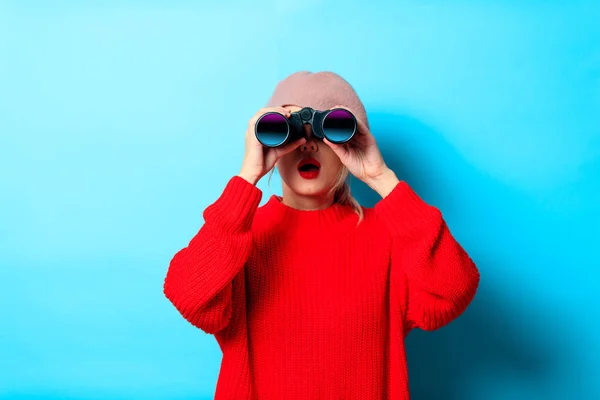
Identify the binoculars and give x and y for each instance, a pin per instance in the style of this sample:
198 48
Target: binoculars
273 129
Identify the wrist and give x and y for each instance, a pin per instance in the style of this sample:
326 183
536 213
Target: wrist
384 183
251 178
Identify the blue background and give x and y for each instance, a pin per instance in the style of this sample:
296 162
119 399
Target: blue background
121 121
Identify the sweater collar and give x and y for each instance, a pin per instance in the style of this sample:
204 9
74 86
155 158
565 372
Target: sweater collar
335 218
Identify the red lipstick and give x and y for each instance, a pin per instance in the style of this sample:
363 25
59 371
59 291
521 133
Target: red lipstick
309 168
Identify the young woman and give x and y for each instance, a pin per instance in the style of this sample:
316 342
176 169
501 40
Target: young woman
311 295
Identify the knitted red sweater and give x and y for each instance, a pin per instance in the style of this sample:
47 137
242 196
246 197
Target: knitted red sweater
307 305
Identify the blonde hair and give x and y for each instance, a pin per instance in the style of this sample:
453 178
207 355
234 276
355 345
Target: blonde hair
341 192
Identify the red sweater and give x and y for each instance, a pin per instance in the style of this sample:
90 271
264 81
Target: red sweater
307 305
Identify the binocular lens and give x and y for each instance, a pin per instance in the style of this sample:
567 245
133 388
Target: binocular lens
272 129
339 126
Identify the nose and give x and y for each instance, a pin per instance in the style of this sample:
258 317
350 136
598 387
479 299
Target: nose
311 140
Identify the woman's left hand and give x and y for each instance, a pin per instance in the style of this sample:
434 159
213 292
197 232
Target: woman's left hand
361 155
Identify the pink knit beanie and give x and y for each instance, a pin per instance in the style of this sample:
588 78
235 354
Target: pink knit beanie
320 90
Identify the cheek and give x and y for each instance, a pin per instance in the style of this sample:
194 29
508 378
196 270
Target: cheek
333 172
285 164
332 162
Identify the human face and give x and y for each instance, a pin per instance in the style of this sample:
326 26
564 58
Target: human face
312 184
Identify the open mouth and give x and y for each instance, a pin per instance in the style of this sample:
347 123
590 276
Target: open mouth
309 168
309 164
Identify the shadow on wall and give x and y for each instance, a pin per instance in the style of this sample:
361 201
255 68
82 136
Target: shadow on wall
488 341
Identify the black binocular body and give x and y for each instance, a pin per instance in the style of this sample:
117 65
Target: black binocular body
273 129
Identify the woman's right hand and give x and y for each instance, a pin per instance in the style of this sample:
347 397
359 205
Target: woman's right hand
258 159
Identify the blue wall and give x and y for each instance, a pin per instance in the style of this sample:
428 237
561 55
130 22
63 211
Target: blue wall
121 122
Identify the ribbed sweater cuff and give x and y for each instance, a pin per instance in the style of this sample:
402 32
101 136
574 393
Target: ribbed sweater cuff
405 212
234 210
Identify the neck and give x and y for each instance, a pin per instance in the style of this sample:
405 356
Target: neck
306 215
306 202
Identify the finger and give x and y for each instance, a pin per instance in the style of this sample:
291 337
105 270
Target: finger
339 150
281 110
265 110
344 107
274 154
362 127
281 151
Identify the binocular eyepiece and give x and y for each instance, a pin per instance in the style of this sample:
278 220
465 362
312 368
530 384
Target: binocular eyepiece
273 129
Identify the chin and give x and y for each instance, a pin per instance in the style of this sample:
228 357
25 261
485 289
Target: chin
308 187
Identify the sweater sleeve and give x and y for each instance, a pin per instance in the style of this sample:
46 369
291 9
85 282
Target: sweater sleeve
438 275
199 278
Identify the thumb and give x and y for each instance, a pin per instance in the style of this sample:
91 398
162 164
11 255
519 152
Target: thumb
338 149
279 152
